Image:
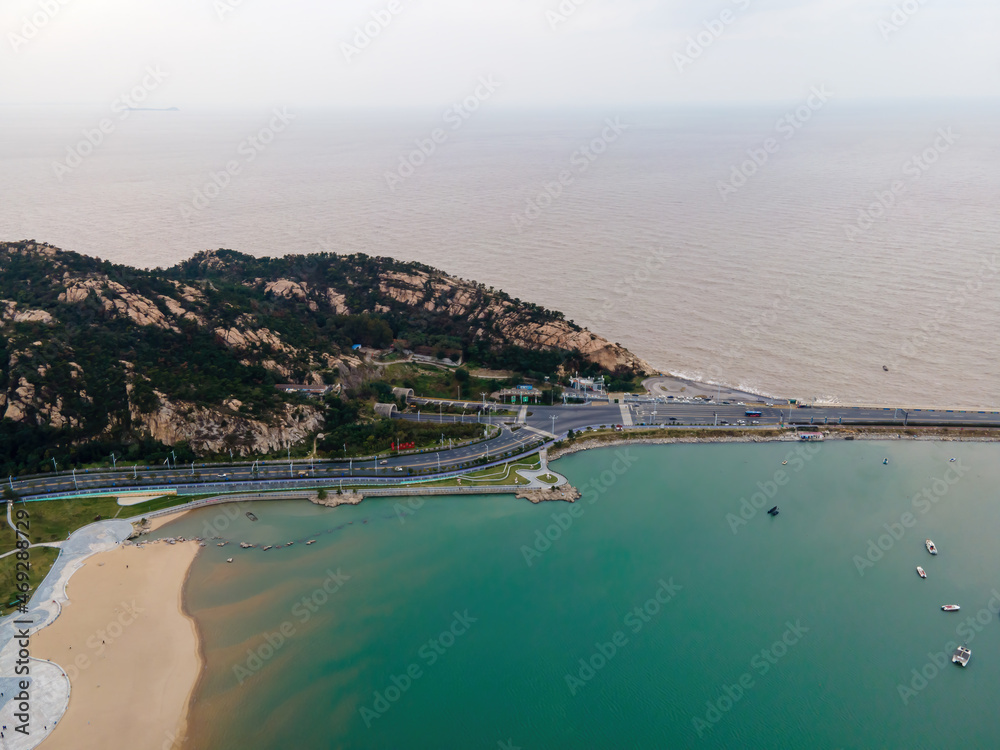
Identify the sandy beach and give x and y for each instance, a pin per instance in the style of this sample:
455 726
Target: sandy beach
131 653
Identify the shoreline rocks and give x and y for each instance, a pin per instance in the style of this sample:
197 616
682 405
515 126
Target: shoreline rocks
333 499
565 493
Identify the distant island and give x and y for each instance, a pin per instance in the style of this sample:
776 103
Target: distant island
100 358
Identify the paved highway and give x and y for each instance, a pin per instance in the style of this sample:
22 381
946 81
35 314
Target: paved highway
538 426
398 466
829 415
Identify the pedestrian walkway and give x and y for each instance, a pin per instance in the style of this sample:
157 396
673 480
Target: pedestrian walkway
543 468
543 433
48 688
626 415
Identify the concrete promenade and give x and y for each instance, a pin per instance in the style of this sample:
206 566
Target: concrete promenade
48 686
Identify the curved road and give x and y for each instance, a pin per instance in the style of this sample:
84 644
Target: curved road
538 424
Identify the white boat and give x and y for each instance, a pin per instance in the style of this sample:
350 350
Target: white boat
229 559
930 546
921 572
951 608
961 656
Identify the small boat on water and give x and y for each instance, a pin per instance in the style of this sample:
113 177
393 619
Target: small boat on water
961 656
251 516
222 544
229 559
951 608
267 547
885 461
311 541
784 463
930 546
921 572
773 511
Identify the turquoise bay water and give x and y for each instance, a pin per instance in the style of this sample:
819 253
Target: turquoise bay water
399 624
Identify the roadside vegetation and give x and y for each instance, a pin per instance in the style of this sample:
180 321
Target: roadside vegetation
55 520
40 561
250 324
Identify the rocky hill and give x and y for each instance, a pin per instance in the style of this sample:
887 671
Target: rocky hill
94 352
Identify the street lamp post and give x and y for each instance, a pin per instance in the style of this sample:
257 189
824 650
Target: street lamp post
553 417
75 484
55 468
114 463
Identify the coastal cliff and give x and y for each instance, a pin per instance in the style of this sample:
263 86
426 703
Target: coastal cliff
95 352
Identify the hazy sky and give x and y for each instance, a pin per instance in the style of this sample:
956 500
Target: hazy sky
295 53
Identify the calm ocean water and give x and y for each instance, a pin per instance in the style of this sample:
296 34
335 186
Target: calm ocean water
783 634
781 286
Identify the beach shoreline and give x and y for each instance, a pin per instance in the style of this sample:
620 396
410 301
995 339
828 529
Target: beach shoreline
133 656
151 673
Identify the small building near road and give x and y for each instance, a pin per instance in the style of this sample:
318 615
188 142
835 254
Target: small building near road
595 385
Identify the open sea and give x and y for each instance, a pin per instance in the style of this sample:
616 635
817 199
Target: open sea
864 236
701 621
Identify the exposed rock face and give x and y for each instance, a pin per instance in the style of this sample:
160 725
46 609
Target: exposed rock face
244 340
116 299
461 298
559 335
337 301
33 316
9 312
217 431
20 399
291 290
220 317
